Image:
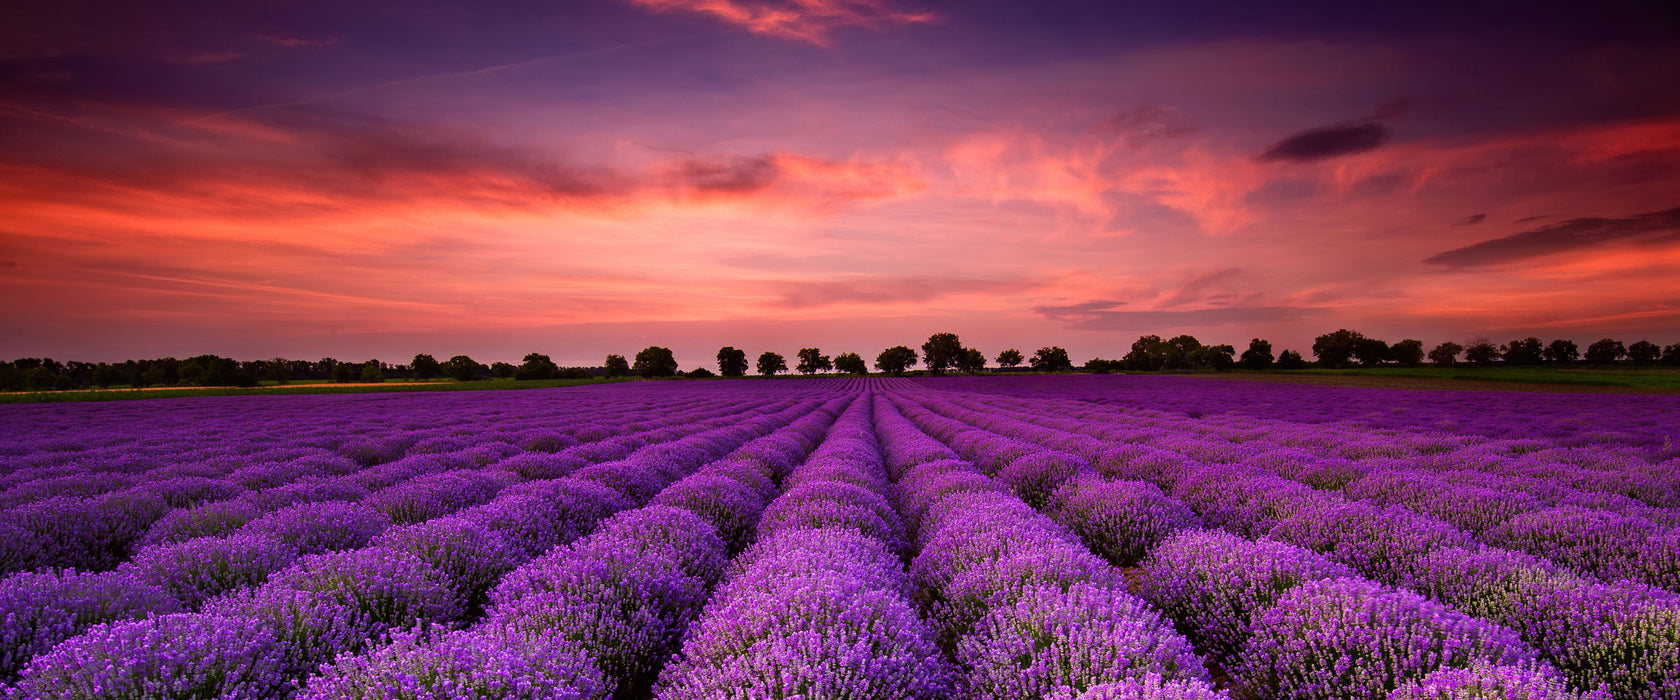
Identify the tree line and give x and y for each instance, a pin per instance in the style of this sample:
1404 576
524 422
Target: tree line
942 353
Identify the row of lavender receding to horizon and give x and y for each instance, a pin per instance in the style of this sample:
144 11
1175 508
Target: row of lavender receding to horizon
1068 537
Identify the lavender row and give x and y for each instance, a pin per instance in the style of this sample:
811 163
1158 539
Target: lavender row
1620 634
1023 609
818 607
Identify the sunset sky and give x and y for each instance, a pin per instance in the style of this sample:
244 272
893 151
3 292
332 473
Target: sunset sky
377 179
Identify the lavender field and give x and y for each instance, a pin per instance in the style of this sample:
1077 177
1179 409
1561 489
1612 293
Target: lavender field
1069 537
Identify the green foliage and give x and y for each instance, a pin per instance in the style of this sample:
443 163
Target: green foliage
461 368
655 361
942 351
700 373
1370 352
1671 355
770 363
1334 350
371 373
279 370
732 362
811 361
851 363
536 366
1258 355
1148 353
895 360
972 361
1010 358
1481 353
424 367
345 372
1446 354
1051 359
502 370
617 366
1097 365
1289 359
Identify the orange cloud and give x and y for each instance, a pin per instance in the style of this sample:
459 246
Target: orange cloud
801 20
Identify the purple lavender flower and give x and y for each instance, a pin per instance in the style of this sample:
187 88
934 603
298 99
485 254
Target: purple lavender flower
493 662
471 557
1214 584
1146 687
313 528
731 507
425 497
200 569
537 516
389 587
182 655
1052 639
207 520
1120 520
41 609
1036 475
1484 681
1350 638
1383 543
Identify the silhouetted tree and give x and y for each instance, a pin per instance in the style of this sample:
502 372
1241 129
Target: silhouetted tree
732 362
372 372
1671 355
1333 350
1010 358
1562 352
1216 356
1605 351
1183 352
655 361
424 367
1370 352
895 360
700 373
972 361
461 368
536 366
503 370
1644 352
1289 359
941 352
851 363
1051 359
1097 365
1446 354
1258 355
1148 353
770 363
812 361
106 375
617 366
1481 353
279 370
1519 353
1407 353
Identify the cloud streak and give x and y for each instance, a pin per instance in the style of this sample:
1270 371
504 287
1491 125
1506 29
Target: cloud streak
810 21
1327 142
1660 228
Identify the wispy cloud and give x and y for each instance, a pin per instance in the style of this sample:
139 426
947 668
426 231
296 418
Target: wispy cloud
811 21
1654 229
1327 142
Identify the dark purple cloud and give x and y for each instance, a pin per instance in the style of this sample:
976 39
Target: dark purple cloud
1327 142
1471 220
1655 228
1104 316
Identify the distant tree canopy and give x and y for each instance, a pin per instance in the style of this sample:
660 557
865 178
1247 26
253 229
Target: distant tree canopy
617 366
1527 351
461 368
1671 355
1481 353
895 360
972 361
1644 352
1446 354
851 363
1010 358
732 361
1258 355
425 367
1370 351
1407 353
1151 353
1335 349
942 351
1051 359
1605 351
1562 352
769 363
655 361
503 370
812 361
372 373
700 373
536 366
1289 359
345 372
